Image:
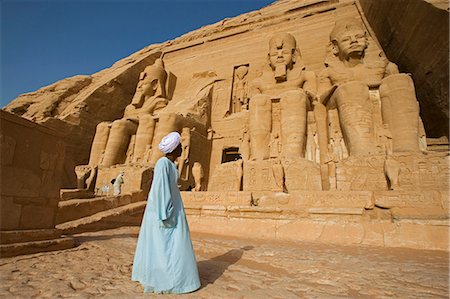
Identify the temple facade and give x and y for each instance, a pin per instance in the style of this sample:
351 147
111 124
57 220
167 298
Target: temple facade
294 107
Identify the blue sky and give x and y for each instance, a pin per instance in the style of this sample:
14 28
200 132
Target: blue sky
46 41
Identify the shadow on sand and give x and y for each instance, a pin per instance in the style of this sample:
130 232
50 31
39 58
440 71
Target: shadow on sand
210 270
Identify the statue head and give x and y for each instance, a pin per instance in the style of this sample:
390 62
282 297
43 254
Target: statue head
241 71
348 39
152 81
282 51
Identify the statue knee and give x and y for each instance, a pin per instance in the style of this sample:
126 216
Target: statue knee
259 100
123 125
294 96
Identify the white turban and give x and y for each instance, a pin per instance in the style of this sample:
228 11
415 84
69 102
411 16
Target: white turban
170 142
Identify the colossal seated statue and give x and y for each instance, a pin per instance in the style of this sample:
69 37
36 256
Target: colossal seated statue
112 140
290 84
354 76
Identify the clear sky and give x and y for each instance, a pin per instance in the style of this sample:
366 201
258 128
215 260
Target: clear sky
43 41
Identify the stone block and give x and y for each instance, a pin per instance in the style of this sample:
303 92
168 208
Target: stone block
20 182
422 214
73 209
10 213
66 194
412 199
302 174
21 236
299 230
316 199
373 234
416 236
226 177
8 250
7 149
222 198
34 217
258 176
361 173
345 233
337 211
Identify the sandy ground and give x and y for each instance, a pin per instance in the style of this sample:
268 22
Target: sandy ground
231 268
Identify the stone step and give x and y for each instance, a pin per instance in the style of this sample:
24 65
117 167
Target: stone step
20 236
69 210
14 249
104 219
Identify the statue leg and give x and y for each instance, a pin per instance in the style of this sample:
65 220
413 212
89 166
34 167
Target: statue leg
355 117
99 143
144 136
119 138
293 123
167 123
400 111
260 126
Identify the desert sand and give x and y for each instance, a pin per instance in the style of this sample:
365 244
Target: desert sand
100 267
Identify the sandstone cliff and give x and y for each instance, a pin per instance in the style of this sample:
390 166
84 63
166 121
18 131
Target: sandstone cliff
74 106
414 34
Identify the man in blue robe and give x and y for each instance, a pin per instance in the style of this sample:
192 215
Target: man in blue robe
164 261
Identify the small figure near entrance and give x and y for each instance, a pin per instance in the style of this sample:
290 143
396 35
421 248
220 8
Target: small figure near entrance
118 183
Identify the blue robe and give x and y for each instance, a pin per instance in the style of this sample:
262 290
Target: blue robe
164 261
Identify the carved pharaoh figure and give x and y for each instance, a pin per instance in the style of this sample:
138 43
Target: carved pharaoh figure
240 98
278 175
198 174
290 83
183 169
141 117
348 69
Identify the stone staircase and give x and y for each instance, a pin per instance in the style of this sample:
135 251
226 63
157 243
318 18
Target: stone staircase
92 214
21 242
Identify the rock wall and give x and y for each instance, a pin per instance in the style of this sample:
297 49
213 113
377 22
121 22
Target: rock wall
31 169
415 35
74 106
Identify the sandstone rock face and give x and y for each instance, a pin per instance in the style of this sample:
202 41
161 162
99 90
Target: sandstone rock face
234 52
291 118
31 168
415 34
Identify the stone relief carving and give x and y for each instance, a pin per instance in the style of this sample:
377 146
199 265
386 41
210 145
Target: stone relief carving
239 98
198 174
183 164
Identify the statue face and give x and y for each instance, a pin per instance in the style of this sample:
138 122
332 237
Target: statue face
351 42
281 53
146 86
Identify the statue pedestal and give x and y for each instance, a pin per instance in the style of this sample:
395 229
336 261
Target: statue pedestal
259 176
227 177
302 174
416 171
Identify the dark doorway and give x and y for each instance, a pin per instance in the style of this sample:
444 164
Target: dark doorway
230 154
